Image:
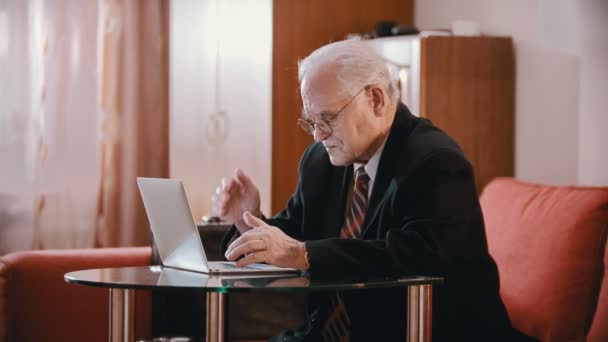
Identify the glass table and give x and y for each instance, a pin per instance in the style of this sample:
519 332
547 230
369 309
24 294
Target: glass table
122 282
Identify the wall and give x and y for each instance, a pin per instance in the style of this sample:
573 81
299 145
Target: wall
559 80
593 93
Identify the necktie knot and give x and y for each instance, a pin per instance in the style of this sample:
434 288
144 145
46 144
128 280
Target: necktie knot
362 182
361 175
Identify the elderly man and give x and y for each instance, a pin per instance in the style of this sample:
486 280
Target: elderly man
380 193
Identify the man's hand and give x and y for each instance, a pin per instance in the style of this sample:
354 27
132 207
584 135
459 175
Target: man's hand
235 196
267 244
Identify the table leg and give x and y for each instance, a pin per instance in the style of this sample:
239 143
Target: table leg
122 314
419 313
217 314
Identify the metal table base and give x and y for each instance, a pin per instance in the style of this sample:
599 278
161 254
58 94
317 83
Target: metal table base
122 314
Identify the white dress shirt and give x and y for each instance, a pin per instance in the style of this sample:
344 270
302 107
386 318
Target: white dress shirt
371 167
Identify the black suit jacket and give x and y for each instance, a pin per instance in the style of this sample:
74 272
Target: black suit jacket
423 218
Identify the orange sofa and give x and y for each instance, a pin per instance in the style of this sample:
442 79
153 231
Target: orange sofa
549 243
36 304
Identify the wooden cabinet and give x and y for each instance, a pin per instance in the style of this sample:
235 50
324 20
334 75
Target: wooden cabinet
467 88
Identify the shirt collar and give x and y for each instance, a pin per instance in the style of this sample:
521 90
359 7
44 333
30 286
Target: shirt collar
371 167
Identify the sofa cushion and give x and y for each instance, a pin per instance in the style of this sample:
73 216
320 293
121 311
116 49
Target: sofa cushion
548 243
36 304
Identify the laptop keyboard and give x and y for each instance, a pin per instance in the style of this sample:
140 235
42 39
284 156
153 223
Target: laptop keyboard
226 265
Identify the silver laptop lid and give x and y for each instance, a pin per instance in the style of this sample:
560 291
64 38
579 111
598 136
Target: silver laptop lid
172 224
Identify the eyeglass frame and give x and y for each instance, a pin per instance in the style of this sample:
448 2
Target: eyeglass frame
310 125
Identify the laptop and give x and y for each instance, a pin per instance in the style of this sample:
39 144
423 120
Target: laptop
172 277
176 235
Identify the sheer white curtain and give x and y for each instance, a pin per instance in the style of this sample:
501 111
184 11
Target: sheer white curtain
48 124
83 112
133 73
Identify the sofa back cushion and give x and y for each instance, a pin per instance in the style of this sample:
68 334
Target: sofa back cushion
36 304
599 326
548 243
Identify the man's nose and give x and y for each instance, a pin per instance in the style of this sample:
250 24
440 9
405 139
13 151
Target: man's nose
319 135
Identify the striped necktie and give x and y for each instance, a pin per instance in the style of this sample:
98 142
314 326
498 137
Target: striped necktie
337 326
358 207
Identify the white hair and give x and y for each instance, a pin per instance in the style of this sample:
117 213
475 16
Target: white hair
357 66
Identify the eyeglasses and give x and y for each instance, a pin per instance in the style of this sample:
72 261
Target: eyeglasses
324 125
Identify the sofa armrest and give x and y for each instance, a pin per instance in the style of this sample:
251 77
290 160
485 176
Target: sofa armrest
36 304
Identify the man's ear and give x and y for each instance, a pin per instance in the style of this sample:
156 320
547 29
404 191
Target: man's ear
378 97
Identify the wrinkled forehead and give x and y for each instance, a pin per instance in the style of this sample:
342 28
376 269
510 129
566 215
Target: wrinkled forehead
320 90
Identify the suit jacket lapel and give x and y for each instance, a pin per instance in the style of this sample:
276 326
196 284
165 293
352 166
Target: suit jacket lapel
342 179
387 165
326 203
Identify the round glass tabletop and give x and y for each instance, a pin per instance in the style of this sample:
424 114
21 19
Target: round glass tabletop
158 278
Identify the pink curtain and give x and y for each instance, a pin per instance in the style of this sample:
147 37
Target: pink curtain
133 53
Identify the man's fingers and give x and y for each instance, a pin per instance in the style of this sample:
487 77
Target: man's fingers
246 248
236 243
233 245
251 235
252 258
252 221
229 185
224 203
243 178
